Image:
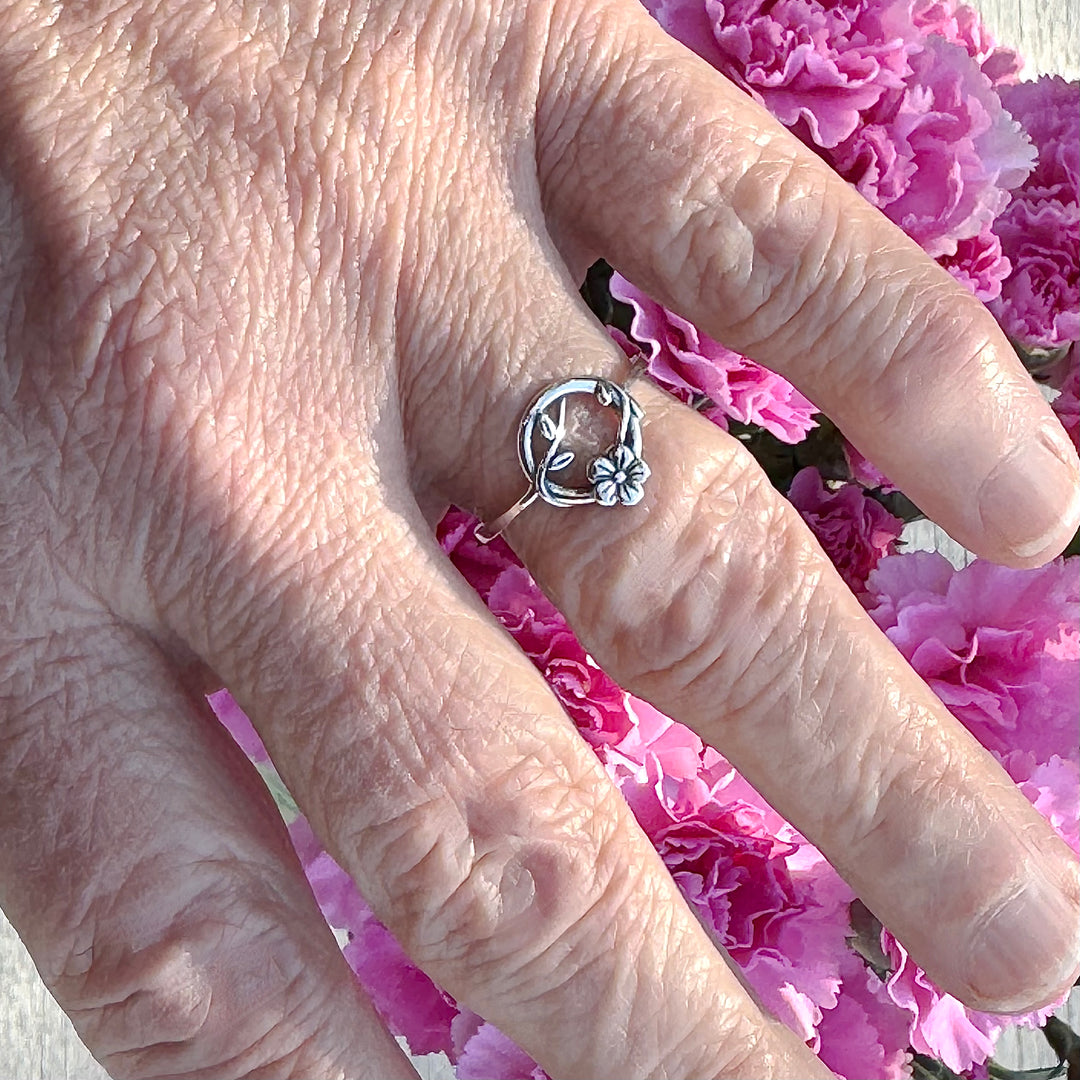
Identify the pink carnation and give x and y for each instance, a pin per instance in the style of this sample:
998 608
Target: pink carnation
961 25
1039 306
1049 110
689 364
593 700
774 902
866 1035
1053 788
812 65
488 1054
940 1025
481 565
959 151
865 472
979 264
407 1000
1000 647
854 529
1067 403
900 100
1040 230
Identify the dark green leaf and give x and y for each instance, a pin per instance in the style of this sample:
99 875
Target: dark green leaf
928 1068
866 939
999 1072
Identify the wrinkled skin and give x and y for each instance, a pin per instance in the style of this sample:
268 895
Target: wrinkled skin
275 285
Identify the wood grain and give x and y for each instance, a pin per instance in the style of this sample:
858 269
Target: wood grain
37 1042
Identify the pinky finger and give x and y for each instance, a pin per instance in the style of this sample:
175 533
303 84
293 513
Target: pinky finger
147 871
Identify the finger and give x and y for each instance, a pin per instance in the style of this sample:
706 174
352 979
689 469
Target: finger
712 600
716 211
149 874
439 770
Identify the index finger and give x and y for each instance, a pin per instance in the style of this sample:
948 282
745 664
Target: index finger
720 214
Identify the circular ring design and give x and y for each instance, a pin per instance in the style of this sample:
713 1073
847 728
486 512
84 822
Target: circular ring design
616 477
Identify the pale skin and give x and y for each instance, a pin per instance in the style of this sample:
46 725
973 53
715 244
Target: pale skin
275 287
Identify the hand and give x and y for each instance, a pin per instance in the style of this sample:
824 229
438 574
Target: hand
276 284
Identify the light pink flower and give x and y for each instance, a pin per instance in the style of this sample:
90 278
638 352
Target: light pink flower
940 1025
771 898
690 363
1053 788
854 529
964 152
335 892
899 99
1039 306
997 645
962 25
865 472
235 721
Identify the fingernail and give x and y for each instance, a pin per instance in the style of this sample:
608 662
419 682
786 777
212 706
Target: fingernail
1027 952
1031 501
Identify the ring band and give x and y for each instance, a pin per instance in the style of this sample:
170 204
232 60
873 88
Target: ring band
616 477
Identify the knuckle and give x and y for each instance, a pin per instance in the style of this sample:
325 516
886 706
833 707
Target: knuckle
725 625
201 997
491 888
771 261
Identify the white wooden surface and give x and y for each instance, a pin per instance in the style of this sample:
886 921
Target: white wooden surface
36 1040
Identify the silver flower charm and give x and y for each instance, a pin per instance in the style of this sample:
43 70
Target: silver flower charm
619 477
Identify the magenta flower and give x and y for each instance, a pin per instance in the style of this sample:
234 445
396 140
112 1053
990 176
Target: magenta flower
865 472
854 529
488 1054
407 1000
1000 647
979 264
771 898
900 99
1067 403
1049 110
1039 306
1040 230
689 363
236 723
812 65
867 1034
593 700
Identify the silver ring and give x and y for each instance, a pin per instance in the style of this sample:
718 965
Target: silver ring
616 477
